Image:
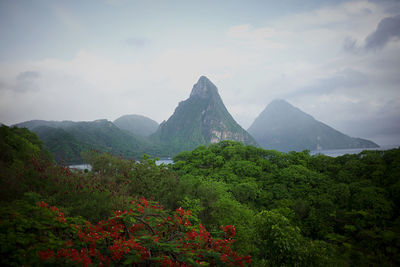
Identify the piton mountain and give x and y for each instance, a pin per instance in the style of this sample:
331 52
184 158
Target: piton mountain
284 127
201 119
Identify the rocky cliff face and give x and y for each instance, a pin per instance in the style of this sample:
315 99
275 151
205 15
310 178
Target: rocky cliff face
204 88
201 119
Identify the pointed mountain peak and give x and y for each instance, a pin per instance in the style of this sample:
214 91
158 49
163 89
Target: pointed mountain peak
202 119
282 106
204 88
284 127
281 103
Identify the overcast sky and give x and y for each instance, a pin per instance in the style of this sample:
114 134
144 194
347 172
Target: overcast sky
339 61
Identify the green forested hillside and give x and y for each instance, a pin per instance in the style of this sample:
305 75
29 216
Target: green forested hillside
137 124
51 216
63 145
282 209
67 140
297 209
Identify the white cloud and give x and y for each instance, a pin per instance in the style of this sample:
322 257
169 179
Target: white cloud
261 38
251 65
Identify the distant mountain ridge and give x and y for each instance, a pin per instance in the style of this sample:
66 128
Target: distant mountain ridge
35 123
283 127
201 119
67 139
137 124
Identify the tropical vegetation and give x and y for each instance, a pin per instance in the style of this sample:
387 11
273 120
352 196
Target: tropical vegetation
225 204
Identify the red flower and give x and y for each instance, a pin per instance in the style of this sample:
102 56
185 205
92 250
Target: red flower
46 255
192 234
140 208
167 262
229 230
180 211
43 205
119 239
144 202
247 259
224 258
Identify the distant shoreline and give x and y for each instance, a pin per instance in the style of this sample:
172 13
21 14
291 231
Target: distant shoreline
341 152
328 152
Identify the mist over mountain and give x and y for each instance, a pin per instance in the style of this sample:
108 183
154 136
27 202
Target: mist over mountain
137 124
284 127
201 119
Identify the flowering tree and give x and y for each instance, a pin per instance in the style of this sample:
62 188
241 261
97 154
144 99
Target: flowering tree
142 235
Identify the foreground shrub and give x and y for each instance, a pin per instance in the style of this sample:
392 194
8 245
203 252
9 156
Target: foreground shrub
145 234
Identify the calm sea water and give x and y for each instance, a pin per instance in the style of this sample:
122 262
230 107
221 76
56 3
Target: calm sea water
89 167
164 161
341 152
81 167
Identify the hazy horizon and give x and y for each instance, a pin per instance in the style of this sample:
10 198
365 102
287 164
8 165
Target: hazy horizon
338 61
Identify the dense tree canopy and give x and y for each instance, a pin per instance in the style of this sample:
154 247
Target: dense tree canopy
282 209
309 209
